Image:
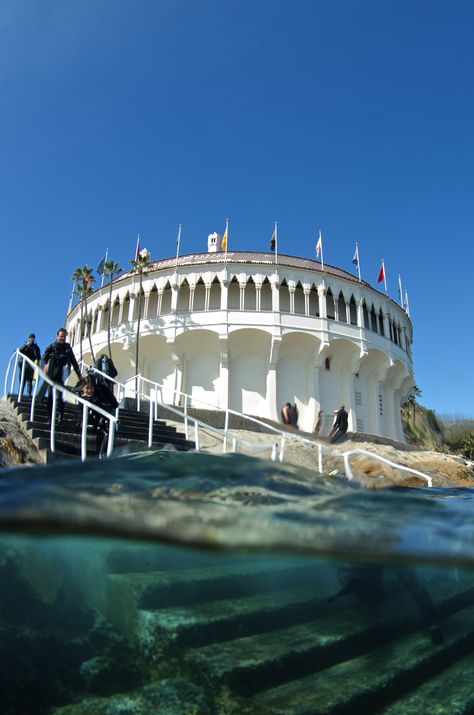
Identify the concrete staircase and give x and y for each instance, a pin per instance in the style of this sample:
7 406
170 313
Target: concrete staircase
262 633
132 430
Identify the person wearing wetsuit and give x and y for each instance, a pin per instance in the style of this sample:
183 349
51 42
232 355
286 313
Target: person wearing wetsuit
32 351
56 357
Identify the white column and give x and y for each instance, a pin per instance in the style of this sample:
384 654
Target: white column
224 372
306 292
224 294
273 408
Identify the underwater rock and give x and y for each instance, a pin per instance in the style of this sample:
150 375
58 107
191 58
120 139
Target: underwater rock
172 696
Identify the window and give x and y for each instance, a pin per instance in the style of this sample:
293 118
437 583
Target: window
327 364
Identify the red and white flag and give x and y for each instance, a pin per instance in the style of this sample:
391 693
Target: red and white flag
381 273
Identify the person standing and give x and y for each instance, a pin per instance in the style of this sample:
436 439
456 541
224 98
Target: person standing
32 351
56 359
341 424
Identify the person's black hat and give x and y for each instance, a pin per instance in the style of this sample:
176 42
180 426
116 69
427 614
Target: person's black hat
32 335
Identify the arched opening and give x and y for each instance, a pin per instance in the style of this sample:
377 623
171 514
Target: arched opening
126 309
153 303
250 297
373 319
341 306
266 295
183 297
381 328
366 315
215 295
234 294
199 295
330 304
284 297
314 301
166 300
353 310
299 299
115 313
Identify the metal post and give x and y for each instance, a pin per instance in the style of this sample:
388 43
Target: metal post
85 419
186 421
226 430
282 448
138 392
196 436
22 380
150 425
33 400
320 459
274 452
12 386
53 419
234 445
110 441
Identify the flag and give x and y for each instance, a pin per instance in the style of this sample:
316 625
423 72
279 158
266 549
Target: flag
381 273
319 245
224 237
406 304
355 259
100 267
400 290
273 241
137 250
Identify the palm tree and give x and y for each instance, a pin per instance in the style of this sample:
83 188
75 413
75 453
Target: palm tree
83 280
111 269
141 262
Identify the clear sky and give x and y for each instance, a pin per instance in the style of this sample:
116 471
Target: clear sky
127 116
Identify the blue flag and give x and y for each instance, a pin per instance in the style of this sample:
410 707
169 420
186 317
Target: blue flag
101 266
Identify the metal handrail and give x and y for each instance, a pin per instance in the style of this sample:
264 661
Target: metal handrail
66 392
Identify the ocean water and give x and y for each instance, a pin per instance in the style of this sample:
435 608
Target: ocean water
182 583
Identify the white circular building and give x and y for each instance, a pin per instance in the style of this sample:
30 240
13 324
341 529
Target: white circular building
239 330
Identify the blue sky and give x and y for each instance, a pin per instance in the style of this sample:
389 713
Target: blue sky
121 116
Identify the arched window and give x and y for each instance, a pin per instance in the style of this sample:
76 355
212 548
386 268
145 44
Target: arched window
115 313
327 364
142 306
126 309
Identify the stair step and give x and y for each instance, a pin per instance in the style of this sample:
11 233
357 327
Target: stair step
372 680
257 661
451 690
127 594
226 619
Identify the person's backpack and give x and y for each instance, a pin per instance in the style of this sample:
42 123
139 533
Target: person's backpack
105 365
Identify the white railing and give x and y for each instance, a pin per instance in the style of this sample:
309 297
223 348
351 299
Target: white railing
277 449
65 392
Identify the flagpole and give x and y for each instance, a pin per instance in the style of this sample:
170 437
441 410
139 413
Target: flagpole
322 254
358 260
400 290
384 277
71 298
276 243
178 243
407 306
105 261
137 247
226 237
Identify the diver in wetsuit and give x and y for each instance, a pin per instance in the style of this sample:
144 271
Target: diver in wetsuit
366 582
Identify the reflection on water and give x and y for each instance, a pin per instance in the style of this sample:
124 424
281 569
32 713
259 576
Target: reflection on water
252 588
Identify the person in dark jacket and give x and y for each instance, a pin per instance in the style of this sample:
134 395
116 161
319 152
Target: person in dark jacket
340 425
56 359
32 351
102 396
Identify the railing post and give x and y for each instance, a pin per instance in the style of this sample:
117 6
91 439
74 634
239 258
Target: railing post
85 419
53 419
196 437
139 385
110 440
22 380
186 421
33 400
226 430
320 459
12 386
234 445
150 425
282 448
274 452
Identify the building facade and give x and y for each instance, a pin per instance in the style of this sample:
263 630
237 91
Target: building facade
239 330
